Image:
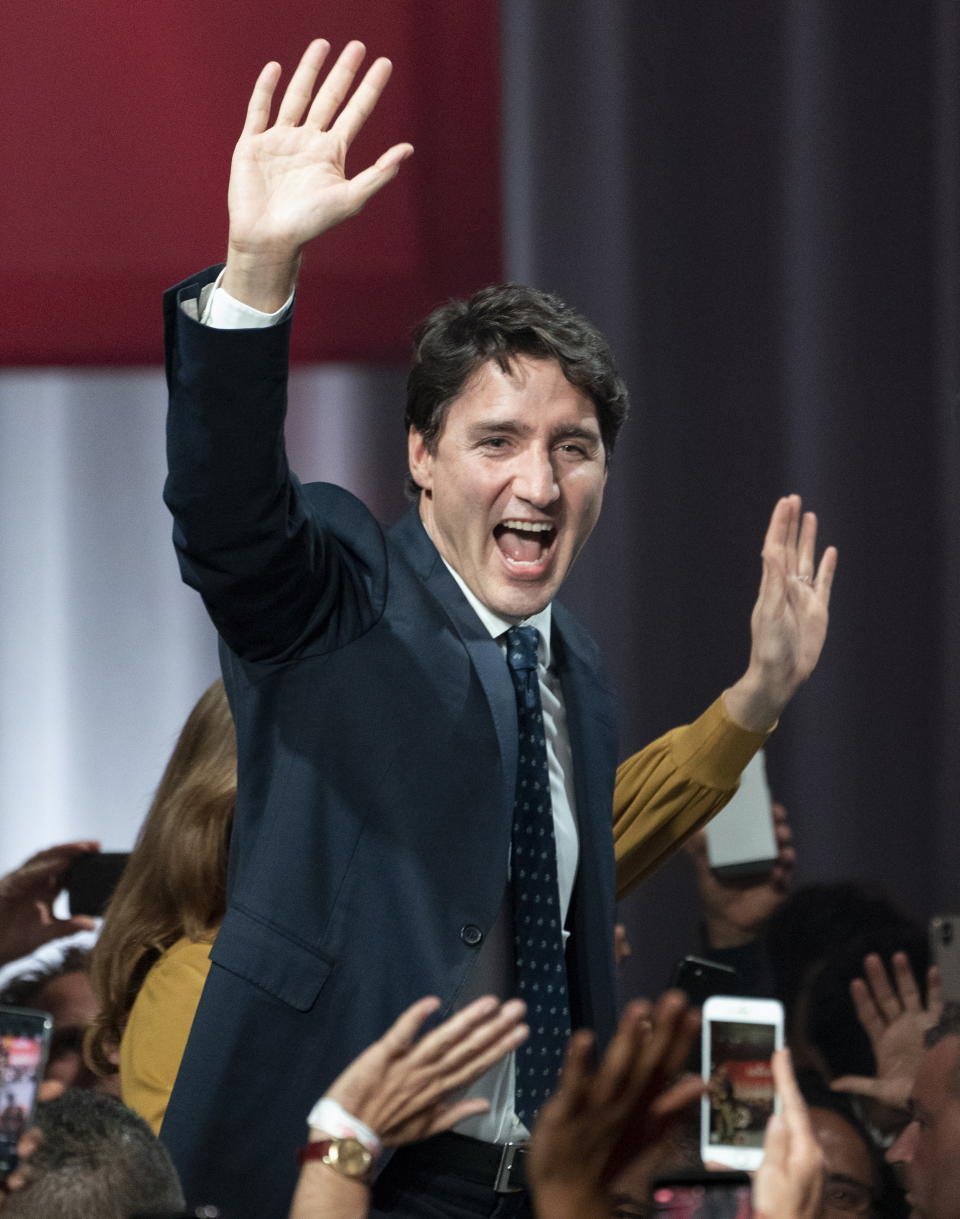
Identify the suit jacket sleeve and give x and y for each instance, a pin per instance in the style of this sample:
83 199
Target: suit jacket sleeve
274 577
672 788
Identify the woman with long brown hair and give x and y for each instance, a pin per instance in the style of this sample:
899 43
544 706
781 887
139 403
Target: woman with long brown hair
151 960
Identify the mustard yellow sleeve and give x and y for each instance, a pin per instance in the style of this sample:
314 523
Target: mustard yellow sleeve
674 786
157 1030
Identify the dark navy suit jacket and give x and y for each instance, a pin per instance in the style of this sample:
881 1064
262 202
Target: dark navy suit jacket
377 748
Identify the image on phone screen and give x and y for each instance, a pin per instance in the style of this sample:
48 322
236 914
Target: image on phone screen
24 1036
740 1083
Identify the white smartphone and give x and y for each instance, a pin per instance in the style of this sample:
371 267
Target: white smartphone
24 1043
741 840
739 1037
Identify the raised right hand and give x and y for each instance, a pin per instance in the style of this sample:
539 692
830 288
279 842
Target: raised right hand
26 901
894 1016
288 181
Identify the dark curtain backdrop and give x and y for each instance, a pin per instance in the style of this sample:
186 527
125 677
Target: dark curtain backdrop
758 202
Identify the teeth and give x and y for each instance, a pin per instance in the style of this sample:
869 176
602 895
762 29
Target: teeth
528 526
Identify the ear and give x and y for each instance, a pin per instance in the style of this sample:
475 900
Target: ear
419 460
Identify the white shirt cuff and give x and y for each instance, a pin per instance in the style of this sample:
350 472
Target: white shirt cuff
222 311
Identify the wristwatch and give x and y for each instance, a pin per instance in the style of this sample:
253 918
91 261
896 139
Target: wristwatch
347 1156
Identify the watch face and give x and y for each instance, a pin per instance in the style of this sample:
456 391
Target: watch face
349 1157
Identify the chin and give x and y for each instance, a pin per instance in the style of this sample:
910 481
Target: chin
521 605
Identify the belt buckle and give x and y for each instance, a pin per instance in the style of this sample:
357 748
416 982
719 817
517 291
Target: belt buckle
511 1154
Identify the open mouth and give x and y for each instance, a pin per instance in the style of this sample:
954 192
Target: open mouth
525 543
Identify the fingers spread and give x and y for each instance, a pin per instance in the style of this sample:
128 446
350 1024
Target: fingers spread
867 1012
683 1093
623 1058
888 1002
445 1117
366 184
778 531
571 1093
261 99
825 572
859 1085
401 1034
906 983
365 97
296 99
336 86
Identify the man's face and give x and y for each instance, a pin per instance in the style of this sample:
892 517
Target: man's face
515 483
849 1185
929 1148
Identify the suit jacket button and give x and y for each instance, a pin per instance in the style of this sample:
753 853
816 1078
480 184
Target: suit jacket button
471 935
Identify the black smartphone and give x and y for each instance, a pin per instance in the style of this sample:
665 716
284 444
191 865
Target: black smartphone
703 1195
24 1044
701 978
91 880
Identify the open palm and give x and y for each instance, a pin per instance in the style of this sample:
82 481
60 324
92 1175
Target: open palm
288 180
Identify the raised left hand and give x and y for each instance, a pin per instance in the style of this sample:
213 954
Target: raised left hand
789 621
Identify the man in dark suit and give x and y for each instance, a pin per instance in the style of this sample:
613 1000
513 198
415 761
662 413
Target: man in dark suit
380 772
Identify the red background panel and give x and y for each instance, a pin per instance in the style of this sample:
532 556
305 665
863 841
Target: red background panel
119 124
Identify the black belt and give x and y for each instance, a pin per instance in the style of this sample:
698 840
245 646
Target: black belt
497 1165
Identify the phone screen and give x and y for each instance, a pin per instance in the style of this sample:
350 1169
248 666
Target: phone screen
740 1082
703 1200
24 1037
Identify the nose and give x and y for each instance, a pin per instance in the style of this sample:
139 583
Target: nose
901 1151
535 480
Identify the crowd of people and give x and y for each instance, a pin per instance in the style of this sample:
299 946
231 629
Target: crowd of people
869 1112
368 924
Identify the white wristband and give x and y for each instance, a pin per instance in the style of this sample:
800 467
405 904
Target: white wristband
331 1117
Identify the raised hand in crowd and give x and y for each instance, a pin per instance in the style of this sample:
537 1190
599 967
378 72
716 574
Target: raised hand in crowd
26 901
789 621
734 911
894 1016
398 1090
600 1119
789 1181
288 181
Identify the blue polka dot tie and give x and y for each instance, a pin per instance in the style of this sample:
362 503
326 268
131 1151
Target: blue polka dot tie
541 975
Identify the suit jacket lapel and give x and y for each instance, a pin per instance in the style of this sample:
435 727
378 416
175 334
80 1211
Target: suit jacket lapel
483 650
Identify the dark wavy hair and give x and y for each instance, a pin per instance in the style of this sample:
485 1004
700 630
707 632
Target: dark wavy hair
499 323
